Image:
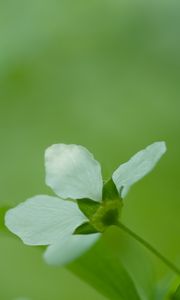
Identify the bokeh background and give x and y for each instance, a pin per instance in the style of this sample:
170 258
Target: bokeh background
104 74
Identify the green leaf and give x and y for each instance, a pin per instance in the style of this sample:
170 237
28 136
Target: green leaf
136 260
165 287
177 294
104 271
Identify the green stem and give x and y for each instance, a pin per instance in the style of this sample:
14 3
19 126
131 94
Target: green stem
151 248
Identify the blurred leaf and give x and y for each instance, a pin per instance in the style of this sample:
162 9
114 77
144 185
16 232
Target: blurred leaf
105 272
163 287
177 294
136 260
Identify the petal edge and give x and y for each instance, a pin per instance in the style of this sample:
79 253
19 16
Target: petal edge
69 248
42 220
72 172
137 167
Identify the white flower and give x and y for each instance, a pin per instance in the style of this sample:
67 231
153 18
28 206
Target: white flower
74 174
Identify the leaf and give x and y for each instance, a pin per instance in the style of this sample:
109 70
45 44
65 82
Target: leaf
177 294
164 287
104 271
136 260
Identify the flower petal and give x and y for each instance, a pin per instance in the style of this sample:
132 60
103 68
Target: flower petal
137 167
69 248
72 172
42 220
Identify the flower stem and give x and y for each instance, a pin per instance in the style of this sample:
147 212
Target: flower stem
150 248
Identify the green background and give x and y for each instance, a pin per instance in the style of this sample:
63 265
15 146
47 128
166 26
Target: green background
104 74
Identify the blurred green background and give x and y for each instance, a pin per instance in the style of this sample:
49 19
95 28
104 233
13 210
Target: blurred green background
104 74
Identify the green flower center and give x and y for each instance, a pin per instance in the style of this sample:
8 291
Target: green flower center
106 215
101 215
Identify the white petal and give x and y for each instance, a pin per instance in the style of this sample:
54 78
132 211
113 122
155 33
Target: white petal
137 167
42 220
72 172
69 248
